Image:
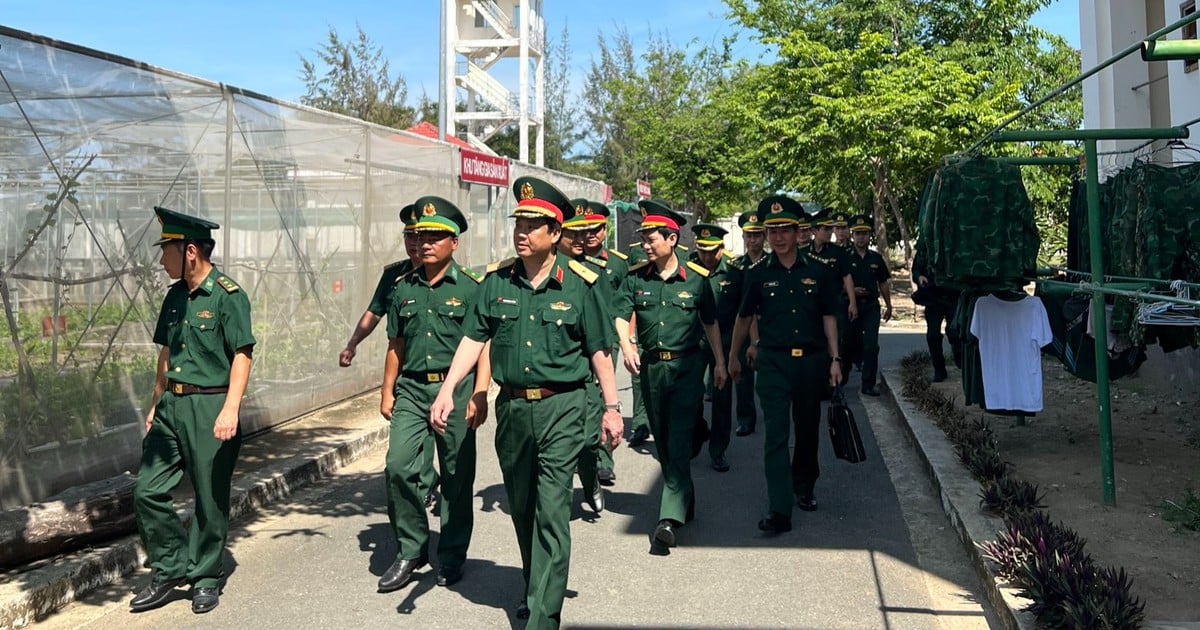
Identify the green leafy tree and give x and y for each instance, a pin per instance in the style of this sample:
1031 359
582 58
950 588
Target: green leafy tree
354 78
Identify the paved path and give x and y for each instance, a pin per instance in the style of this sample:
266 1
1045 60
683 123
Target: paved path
878 554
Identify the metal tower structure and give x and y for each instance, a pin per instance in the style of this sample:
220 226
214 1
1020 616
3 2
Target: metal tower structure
478 37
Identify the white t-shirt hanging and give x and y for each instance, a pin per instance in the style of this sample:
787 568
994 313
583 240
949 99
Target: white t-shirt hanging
1011 335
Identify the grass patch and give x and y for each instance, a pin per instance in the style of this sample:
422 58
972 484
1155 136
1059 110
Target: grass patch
1185 512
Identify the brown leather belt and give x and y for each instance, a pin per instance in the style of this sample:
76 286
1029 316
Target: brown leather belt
668 355
183 389
540 393
425 377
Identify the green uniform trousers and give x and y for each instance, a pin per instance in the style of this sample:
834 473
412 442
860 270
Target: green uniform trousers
862 343
791 389
180 441
594 451
538 444
674 400
640 419
429 474
747 413
408 460
721 426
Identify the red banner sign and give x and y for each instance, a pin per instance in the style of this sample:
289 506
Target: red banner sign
643 189
607 194
481 168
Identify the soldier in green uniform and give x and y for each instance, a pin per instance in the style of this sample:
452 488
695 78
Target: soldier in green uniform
837 262
870 273
753 237
796 355
841 229
424 325
615 265
375 312
595 454
192 424
725 281
804 232
546 324
674 306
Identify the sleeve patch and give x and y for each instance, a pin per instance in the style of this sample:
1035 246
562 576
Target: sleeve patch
588 275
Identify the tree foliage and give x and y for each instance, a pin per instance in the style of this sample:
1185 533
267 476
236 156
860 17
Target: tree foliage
353 78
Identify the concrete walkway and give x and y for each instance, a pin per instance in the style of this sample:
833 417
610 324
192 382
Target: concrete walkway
879 553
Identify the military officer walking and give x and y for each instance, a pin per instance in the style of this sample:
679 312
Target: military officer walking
546 324
376 311
870 273
192 425
796 356
725 281
425 317
841 229
674 307
837 262
754 235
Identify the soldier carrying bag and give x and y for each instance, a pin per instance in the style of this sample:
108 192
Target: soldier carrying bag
843 431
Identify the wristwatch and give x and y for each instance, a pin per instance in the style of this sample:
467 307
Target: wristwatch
835 358
613 406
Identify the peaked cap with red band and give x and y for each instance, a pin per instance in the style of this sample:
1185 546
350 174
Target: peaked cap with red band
538 199
657 214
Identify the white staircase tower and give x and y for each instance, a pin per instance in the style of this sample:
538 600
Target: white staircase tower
480 39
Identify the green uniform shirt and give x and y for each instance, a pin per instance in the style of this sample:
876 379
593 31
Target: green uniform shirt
791 303
727 282
613 266
430 318
540 336
387 281
671 311
868 271
836 262
202 330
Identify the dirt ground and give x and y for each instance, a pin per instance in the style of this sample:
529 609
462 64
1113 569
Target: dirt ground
1156 452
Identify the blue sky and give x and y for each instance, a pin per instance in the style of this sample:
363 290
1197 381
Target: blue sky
256 45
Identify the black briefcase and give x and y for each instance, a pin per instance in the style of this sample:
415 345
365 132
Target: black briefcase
843 431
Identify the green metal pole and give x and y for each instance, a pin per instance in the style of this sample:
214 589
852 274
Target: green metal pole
1100 323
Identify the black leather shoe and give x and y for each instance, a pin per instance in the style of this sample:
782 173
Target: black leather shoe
639 436
606 476
154 595
449 576
775 523
400 573
720 464
807 502
743 431
939 376
870 391
522 610
664 533
205 598
595 499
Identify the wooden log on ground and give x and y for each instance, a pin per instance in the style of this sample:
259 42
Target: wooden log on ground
71 520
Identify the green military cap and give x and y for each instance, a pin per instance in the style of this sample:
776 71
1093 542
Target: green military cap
598 213
656 213
434 214
862 223
779 210
578 218
709 236
408 216
538 199
840 219
749 222
823 218
177 226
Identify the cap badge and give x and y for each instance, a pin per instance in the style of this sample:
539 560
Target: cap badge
580 211
428 210
526 191
753 219
705 233
776 208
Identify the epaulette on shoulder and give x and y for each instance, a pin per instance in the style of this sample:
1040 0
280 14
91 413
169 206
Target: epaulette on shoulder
730 255
638 266
502 264
618 254
635 245
698 269
734 263
471 273
404 275
599 262
582 271
393 265
683 247
228 284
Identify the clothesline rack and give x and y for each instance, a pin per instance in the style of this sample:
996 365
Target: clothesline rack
1097 288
